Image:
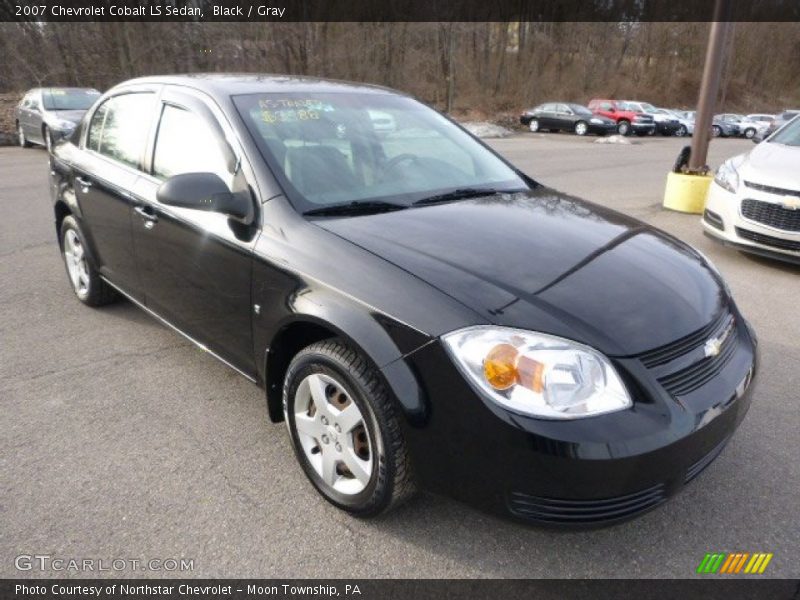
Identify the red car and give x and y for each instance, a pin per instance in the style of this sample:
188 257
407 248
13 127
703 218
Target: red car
628 119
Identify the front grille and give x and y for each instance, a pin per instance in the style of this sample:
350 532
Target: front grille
690 378
585 512
772 190
771 214
768 240
643 119
664 354
701 464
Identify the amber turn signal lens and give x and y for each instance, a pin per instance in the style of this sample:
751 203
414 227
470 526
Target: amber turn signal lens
530 374
500 366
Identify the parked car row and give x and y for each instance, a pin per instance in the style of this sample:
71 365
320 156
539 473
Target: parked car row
642 118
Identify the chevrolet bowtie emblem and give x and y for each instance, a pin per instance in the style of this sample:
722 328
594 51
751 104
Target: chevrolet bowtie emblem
713 346
791 202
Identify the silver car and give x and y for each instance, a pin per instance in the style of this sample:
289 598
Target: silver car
45 115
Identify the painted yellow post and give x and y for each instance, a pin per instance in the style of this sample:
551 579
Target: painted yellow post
686 193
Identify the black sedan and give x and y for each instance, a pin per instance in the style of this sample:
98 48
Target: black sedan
419 312
565 116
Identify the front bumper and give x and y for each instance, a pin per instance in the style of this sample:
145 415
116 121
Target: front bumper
643 128
723 221
579 473
602 128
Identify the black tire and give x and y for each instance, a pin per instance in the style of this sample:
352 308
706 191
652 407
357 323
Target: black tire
533 125
749 133
624 127
682 131
581 128
48 138
716 131
391 481
22 140
97 292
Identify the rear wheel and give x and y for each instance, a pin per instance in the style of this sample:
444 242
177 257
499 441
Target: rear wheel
749 133
534 125
716 131
581 128
344 430
86 282
624 128
682 131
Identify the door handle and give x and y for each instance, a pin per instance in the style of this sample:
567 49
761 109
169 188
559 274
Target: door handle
149 216
83 182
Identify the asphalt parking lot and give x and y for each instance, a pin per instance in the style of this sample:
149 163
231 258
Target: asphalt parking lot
120 439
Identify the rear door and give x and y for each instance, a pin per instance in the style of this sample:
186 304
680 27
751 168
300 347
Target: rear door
195 265
104 175
564 117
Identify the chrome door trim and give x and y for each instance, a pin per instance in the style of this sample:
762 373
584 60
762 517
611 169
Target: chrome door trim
158 317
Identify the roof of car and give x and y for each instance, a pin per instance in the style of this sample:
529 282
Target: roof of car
230 84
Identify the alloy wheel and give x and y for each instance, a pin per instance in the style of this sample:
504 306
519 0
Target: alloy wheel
333 434
21 137
716 131
534 125
623 128
77 267
681 131
749 133
581 128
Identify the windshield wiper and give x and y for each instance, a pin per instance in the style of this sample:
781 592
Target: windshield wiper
461 194
354 208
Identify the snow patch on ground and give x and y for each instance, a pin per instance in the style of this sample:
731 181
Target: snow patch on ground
484 129
613 139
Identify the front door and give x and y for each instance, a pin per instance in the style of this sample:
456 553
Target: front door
195 266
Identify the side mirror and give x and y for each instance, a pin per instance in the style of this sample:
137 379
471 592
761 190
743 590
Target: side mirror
205 191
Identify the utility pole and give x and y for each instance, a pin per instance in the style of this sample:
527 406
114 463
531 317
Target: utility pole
709 86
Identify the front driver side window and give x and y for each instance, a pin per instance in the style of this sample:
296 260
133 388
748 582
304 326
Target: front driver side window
185 144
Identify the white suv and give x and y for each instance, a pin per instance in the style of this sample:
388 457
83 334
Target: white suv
754 201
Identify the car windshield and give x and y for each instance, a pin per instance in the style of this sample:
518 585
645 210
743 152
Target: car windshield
647 107
328 149
627 106
68 99
580 110
788 135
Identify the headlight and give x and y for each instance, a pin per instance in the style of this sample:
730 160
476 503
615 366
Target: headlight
727 177
63 124
596 121
537 374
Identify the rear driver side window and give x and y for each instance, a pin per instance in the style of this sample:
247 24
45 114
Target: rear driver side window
120 126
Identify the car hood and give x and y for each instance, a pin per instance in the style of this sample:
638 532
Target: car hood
545 261
67 115
774 165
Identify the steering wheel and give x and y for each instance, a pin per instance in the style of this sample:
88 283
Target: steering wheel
393 163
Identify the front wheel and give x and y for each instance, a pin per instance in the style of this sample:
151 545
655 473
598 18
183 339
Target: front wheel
716 131
534 125
623 128
344 430
581 128
22 139
48 139
682 131
749 133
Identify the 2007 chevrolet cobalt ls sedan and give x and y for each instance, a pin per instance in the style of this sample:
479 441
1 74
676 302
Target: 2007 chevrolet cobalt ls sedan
419 312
